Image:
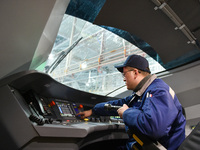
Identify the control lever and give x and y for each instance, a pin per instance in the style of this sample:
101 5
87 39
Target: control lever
111 107
36 119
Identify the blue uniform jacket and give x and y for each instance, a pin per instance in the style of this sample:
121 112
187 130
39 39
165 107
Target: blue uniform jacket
156 112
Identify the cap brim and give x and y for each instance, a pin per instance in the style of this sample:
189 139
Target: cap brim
120 68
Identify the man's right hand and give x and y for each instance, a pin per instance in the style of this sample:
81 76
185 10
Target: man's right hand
85 114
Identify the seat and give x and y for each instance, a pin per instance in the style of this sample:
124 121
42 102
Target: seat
192 141
143 141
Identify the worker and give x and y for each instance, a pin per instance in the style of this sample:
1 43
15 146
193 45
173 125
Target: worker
153 109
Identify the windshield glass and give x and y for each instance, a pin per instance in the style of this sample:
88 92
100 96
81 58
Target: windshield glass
89 54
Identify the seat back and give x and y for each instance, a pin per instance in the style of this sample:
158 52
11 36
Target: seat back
192 141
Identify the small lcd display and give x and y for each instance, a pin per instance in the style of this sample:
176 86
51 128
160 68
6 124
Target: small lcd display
75 108
65 109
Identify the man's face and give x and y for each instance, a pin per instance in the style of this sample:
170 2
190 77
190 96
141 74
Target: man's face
129 77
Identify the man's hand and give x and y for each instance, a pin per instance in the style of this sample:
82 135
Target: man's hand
121 110
85 114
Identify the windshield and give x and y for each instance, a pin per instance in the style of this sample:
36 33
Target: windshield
89 65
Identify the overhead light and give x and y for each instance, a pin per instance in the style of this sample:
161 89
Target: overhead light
83 65
51 56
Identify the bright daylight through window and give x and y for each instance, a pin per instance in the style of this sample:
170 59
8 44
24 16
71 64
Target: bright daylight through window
89 65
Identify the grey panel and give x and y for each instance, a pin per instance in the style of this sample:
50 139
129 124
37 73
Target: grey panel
21 31
49 34
16 129
189 97
141 19
188 11
22 26
185 82
192 122
78 130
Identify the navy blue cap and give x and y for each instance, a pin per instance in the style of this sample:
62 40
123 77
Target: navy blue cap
135 61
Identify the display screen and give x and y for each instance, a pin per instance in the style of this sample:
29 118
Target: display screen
75 108
65 109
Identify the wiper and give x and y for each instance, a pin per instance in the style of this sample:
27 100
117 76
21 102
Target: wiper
62 55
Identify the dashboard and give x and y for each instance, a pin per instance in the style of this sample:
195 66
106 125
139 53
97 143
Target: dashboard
49 110
37 112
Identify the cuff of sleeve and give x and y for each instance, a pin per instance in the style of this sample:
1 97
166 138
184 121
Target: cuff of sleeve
93 110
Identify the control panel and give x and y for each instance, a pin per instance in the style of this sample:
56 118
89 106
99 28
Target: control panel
50 110
43 113
58 111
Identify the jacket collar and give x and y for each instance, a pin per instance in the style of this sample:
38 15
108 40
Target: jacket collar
143 85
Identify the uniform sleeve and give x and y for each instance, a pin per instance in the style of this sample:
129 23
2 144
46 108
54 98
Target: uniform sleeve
99 108
156 116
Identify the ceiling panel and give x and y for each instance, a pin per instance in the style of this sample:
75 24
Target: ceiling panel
153 26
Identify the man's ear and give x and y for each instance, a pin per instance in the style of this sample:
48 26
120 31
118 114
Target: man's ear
136 71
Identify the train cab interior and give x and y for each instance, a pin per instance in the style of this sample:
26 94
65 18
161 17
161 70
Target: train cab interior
58 56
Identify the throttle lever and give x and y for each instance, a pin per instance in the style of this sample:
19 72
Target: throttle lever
111 107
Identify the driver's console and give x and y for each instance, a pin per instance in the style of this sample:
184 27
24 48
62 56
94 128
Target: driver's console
37 112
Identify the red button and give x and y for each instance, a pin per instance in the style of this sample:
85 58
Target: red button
52 104
80 106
